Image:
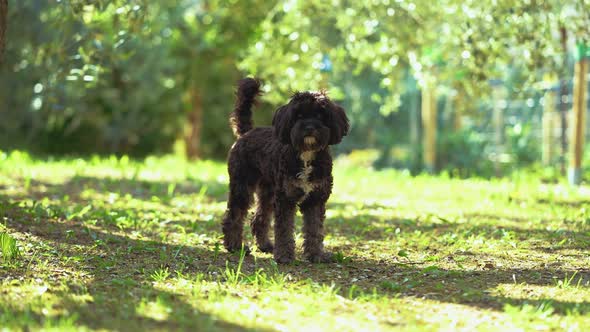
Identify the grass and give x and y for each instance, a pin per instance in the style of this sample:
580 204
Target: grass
8 248
119 244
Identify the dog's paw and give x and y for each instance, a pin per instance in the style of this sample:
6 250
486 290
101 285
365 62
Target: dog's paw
267 247
238 249
284 258
324 257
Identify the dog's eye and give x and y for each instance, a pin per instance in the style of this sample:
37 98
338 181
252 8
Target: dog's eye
299 115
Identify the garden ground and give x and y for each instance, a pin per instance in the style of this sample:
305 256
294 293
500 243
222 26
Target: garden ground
118 244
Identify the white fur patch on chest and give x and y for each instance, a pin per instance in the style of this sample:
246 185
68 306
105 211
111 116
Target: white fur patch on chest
303 176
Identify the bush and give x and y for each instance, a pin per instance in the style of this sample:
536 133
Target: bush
462 154
521 144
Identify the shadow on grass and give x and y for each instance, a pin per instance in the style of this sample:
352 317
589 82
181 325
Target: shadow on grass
117 273
474 287
487 225
568 204
139 189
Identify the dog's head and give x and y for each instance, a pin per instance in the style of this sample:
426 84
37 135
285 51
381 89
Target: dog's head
310 122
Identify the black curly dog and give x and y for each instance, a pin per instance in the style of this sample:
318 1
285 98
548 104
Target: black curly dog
286 165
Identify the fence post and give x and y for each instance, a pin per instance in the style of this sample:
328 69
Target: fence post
578 115
498 96
414 123
549 119
563 87
429 125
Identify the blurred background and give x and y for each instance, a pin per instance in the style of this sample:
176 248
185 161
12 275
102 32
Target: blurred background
469 88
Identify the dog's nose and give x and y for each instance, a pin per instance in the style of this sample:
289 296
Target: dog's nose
309 127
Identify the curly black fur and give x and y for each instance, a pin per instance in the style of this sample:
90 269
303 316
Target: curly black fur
288 166
241 118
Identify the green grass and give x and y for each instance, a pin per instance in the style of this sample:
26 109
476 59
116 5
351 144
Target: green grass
119 244
8 247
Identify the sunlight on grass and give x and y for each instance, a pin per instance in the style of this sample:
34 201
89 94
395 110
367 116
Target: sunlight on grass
8 248
157 310
549 293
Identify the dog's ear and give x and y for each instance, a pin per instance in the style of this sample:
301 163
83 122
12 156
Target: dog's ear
339 124
281 123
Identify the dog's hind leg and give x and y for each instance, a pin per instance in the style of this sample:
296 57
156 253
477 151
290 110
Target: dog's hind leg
240 197
261 221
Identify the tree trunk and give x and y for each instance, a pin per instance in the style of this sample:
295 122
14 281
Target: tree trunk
498 93
563 106
193 134
3 25
429 125
414 120
578 122
549 117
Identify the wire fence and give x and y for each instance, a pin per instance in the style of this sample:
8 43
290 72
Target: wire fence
523 118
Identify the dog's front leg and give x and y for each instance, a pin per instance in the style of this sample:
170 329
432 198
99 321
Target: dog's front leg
284 249
314 214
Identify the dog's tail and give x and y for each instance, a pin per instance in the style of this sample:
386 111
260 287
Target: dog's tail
241 118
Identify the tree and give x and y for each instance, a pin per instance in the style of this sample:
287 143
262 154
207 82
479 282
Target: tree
124 76
457 44
466 41
207 38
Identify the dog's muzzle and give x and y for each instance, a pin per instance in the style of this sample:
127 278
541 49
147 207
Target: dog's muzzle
309 140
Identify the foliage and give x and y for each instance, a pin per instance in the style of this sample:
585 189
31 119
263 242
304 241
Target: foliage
461 43
113 76
124 76
460 154
85 88
473 254
457 45
521 145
